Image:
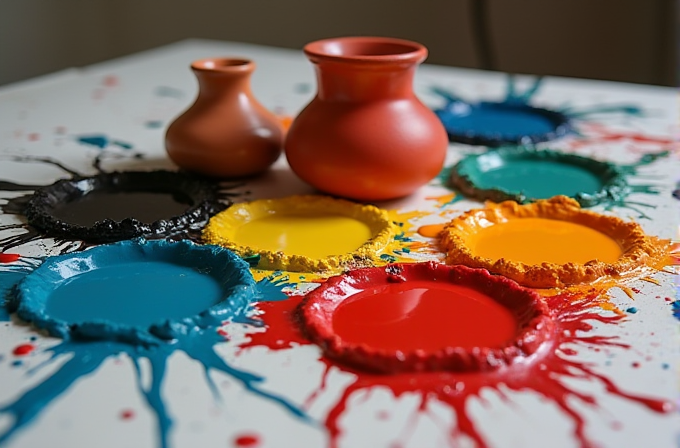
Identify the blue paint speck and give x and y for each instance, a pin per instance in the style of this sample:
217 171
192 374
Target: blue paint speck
102 141
17 363
631 310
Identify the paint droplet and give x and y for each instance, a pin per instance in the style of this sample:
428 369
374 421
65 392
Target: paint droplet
61 130
631 310
127 414
382 415
100 141
33 136
430 231
247 440
635 364
110 81
153 124
222 332
9 258
665 366
23 349
17 363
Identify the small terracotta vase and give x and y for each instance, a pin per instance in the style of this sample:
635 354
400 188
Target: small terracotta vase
365 135
226 132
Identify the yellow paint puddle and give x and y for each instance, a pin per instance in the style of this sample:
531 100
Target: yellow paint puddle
314 236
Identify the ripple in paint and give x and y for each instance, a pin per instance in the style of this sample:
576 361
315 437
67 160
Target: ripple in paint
132 281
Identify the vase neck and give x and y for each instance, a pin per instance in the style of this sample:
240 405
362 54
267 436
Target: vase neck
222 84
364 82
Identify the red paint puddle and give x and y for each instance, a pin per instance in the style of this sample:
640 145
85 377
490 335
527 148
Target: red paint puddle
23 349
9 258
544 373
420 315
127 414
247 440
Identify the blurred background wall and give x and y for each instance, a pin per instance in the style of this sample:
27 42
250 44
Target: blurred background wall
622 40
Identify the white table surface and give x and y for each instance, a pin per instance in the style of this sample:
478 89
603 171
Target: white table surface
41 117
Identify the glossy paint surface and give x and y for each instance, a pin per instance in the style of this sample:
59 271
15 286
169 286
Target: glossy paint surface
538 240
314 236
423 315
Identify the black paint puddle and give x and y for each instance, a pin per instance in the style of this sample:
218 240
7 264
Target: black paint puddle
117 206
113 206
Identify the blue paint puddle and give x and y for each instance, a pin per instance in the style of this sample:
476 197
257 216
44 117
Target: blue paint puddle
98 332
510 121
102 141
147 288
513 120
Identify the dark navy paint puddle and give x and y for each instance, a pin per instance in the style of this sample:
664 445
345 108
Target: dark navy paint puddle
526 175
512 120
90 337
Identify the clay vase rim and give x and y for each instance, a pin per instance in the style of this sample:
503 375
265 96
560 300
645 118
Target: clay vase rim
223 65
365 49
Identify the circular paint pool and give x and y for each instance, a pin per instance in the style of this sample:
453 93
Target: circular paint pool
135 291
549 243
424 317
495 124
116 206
526 175
303 233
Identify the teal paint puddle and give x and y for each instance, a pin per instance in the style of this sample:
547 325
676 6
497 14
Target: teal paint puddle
525 175
205 286
156 291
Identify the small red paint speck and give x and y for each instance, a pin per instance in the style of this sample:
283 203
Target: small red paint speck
110 81
382 415
127 414
247 440
61 130
9 258
33 136
23 349
222 332
635 364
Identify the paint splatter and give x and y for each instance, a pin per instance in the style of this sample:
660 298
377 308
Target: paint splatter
548 373
526 175
513 120
9 258
247 440
23 349
42 205
87 344
102 141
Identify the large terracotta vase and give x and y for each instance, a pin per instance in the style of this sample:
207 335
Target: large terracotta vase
365 135
226 132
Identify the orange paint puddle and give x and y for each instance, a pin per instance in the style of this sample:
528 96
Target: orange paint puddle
539 240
